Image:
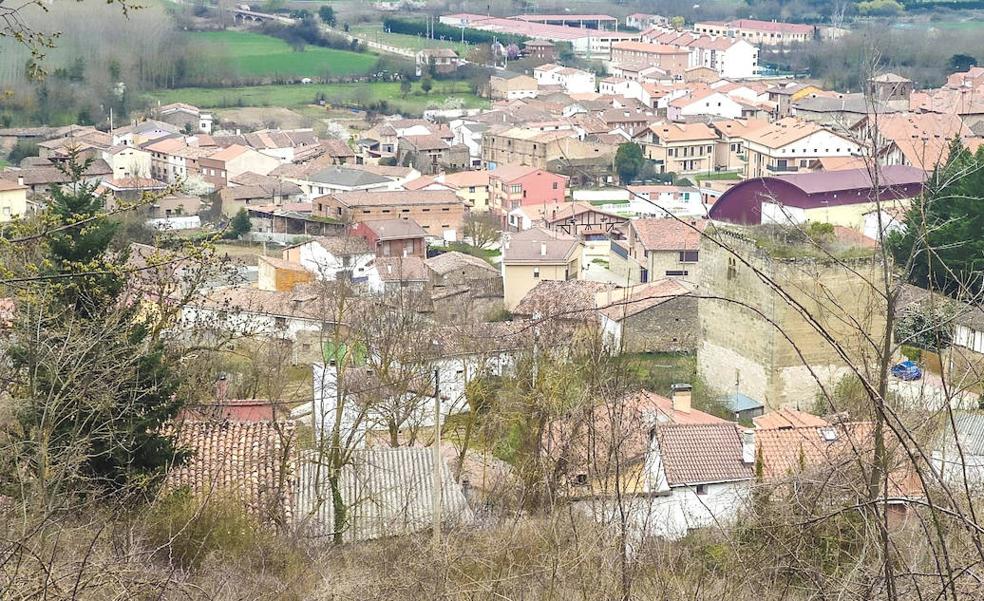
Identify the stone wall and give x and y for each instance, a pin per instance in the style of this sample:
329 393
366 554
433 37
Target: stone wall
752 335
669 327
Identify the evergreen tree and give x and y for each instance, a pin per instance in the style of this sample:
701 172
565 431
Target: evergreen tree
944 231
93 390
628 161
241 224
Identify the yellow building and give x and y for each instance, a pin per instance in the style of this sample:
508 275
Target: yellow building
13 200
472 187
535 256
281 276
680 147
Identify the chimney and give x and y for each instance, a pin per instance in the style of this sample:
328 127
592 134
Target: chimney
543 249
748 447
681 397
20 180
221 387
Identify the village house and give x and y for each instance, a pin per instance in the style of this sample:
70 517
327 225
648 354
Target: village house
662 200
505 85
474 188
442 61
403 275
723 56
431 154
453 269
13 200
469 133
439 212
230 162
347 258
706 102
393 237
729 152
791 145
958 453
173 159
540 50
285 145
514 186
126 161
535 147
679 147
382 139
703 471
280 275
784 95
766 33
572 81
651 249
671 60
257 191
40 178
656 317
537 255
185 117
322 180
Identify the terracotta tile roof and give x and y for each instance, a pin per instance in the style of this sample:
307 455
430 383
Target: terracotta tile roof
465 179
789 450
451 261
395 229
783 132
647 48
788 418
682 132
570 300
701 453
668 234
771 26
662 408
626 302
251 462
396 198
538 246
402 269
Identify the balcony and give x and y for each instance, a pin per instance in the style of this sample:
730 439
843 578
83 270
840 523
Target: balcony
782 168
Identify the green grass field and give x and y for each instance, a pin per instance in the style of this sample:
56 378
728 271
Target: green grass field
299 95
374 32
258 55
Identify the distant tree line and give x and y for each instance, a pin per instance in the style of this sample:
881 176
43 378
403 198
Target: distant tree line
420 27
307 31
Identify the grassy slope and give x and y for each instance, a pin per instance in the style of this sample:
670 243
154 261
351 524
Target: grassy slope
299 95
257 55
374 32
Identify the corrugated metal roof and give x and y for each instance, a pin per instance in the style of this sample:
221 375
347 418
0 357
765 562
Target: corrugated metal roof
388 492
970 432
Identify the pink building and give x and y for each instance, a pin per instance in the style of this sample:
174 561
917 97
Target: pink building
514 186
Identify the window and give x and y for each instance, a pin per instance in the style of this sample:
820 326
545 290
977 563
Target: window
643 275
732 268
280 322
515 189
688 256
555 185
581 480
536 272
471 189
445 210
701 489
338 211
676 273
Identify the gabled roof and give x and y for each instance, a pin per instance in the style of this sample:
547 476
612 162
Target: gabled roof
693 454
399 197
402 269
395 229
388 492
788 418
539 246
346 177
668 234
627 302
447 262
250 462
682 132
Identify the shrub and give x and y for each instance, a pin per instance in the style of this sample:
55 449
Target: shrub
190 530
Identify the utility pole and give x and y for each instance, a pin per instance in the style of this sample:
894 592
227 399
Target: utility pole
436 492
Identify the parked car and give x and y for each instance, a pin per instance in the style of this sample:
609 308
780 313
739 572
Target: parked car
907 371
